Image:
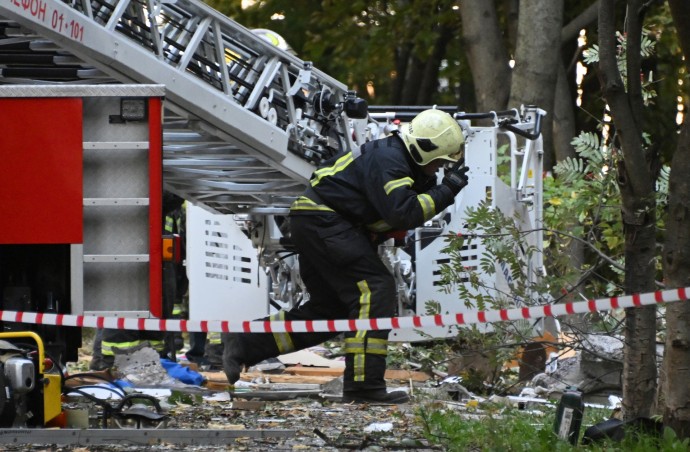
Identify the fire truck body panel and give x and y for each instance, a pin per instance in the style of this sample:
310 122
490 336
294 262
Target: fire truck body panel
28 171
84 188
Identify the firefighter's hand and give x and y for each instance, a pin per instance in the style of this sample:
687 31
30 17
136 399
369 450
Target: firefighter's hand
456 177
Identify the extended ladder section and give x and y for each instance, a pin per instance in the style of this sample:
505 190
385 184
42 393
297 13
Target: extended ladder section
246 121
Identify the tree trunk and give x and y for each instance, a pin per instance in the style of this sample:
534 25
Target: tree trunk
563 119
676 390
486 54
636 183
537 60
402 58
428 89
564 128
413 80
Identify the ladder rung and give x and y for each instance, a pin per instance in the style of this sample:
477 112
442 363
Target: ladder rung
116 201
105 145
116 258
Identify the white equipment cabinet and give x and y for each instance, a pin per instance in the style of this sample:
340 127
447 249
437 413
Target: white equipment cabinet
225 280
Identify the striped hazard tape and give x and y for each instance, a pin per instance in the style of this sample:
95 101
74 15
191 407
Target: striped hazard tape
312 326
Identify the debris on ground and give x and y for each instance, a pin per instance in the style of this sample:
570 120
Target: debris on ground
290 408
291 403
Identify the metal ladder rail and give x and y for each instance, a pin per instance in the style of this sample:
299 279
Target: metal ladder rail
186 172
235 42
108 14
24 55
277 83
107 52
204 35
213 172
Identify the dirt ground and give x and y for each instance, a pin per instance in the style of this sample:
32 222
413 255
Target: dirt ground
296 409
309 424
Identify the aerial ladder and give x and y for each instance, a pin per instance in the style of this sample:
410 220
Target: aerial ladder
245 123
246 120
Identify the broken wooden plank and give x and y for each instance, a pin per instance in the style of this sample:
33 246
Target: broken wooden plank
93 377
217 385
391 374
250 405
406 375
219 378
301 374
314 371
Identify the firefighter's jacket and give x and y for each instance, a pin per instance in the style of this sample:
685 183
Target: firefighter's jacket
381 189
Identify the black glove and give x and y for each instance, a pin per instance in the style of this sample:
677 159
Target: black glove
456 177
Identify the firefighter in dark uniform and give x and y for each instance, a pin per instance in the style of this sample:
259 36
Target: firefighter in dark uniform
390 184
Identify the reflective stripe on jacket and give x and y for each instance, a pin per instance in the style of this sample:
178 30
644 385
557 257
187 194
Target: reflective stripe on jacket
382 189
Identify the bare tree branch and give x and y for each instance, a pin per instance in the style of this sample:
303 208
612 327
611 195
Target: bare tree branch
572 29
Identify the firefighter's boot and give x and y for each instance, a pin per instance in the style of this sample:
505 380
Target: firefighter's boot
213 351
375 396
213 356
233 357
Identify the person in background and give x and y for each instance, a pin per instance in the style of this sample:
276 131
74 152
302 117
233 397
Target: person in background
389 184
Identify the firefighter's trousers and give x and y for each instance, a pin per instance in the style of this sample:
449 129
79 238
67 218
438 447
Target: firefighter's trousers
346 279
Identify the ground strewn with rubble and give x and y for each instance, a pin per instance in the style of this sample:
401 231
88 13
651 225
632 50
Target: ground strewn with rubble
296 407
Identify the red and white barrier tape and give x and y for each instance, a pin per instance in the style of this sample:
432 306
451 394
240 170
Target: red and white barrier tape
311 326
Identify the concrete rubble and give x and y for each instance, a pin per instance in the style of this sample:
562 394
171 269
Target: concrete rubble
594 370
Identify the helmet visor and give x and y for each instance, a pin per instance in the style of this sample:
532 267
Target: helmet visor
452 157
